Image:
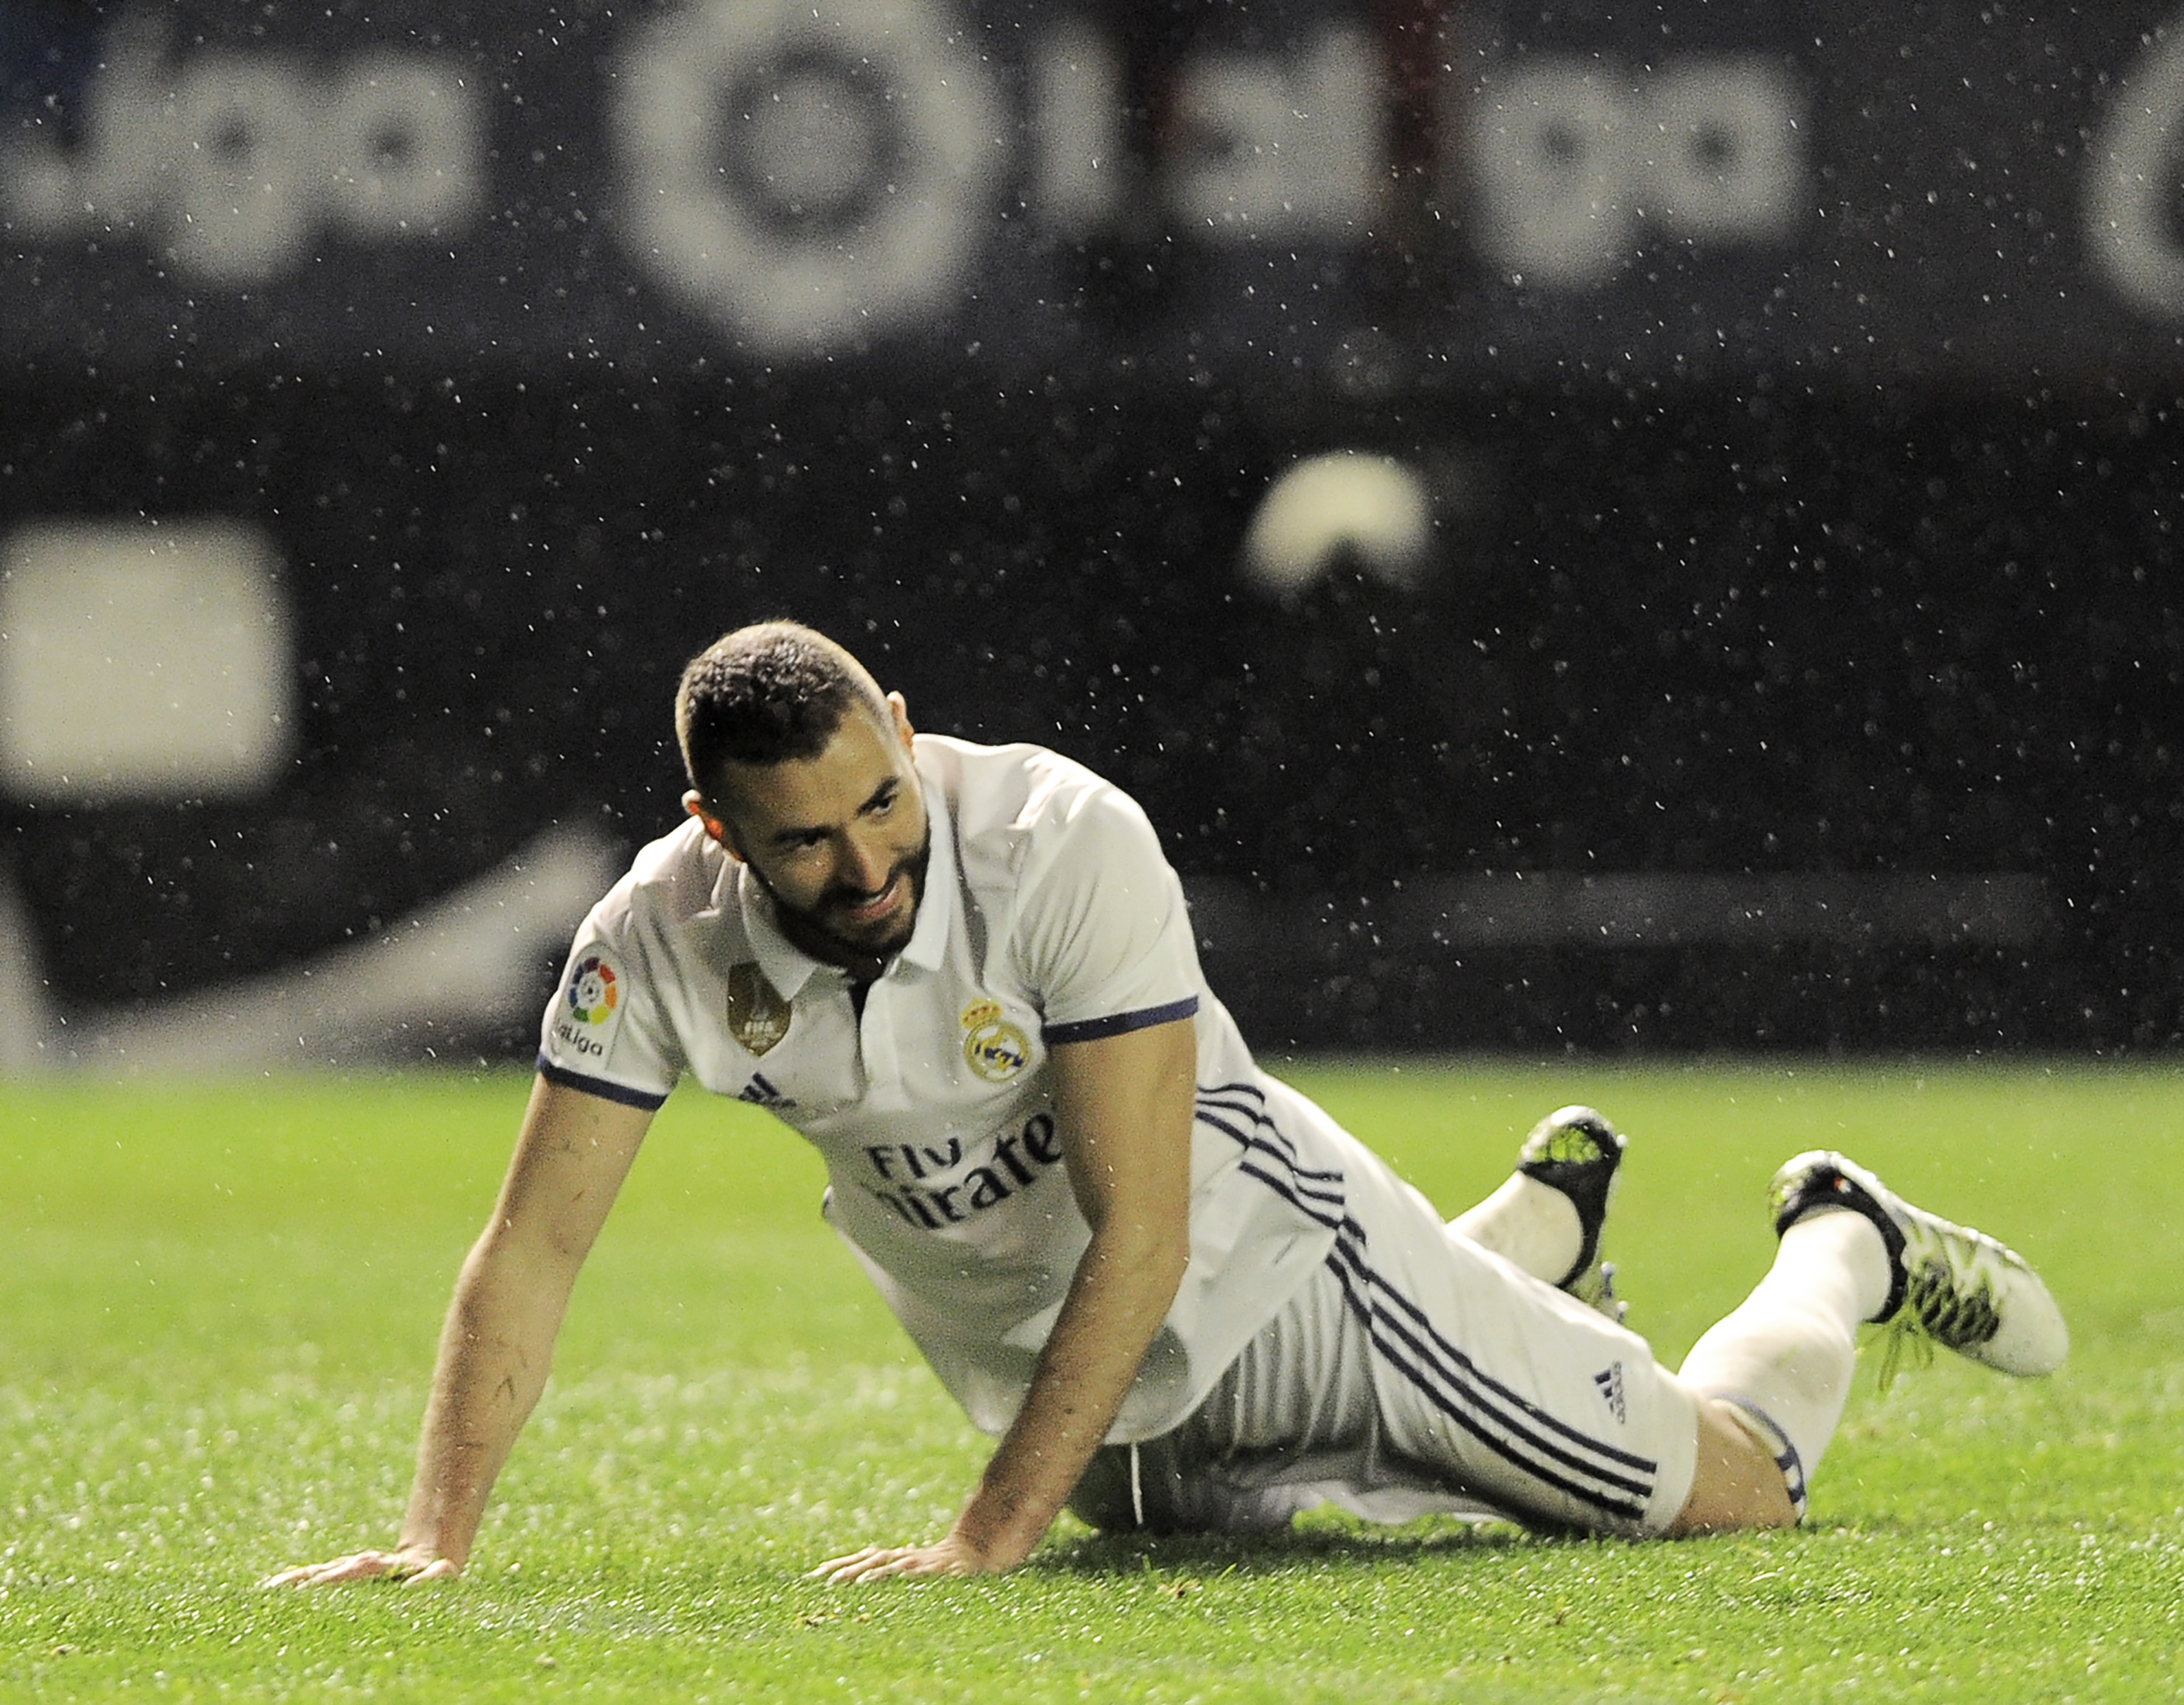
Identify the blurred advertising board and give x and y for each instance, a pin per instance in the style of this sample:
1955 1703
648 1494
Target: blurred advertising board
1289 191
1585 525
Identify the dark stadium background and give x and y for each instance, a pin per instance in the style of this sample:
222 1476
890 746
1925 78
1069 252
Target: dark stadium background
1823 561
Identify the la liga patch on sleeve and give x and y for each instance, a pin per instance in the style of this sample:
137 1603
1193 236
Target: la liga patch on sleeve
589 1012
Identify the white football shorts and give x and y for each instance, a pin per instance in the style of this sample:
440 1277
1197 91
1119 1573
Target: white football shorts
1417 1373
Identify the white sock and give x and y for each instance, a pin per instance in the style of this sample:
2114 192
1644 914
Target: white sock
1530 1223
1786 1353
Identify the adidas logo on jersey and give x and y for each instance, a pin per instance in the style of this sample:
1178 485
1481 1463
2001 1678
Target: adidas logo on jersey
761 1093
1609 1380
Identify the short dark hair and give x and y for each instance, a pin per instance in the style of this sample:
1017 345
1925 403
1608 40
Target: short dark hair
767 693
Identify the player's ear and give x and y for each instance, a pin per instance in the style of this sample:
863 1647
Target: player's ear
716 827
901 707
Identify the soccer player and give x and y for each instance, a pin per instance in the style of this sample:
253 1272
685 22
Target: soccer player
1177 1292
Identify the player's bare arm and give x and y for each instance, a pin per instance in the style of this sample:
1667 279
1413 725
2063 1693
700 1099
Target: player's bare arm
570 1158
1124 1108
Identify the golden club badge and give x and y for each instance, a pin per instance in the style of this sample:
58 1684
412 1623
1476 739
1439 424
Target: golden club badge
757 1016
993 1047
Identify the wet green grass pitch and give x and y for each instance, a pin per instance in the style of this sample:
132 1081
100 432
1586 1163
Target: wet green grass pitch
218 1304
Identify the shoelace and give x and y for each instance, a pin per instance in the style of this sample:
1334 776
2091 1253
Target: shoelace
1903 1339
1938 1307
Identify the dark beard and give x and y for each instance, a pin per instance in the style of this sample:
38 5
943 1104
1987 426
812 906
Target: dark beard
809 931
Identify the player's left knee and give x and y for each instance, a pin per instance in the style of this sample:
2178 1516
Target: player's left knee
1143 1488
1736 1484
1102 1498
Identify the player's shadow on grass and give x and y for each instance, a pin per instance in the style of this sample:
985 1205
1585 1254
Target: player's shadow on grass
1313 1540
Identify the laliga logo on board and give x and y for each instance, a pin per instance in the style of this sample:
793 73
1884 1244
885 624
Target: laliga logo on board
232 163
804 172
592 994
993 1047
1579 163
809 175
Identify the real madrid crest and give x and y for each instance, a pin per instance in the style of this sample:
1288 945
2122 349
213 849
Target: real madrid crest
993 1047
757 1016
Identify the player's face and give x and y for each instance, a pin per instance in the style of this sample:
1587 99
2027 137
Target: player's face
840 840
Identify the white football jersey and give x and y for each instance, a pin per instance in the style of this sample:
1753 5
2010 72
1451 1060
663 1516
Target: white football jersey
1049 915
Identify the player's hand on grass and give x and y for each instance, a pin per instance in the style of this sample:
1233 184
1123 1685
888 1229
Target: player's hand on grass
951 1556
405 1567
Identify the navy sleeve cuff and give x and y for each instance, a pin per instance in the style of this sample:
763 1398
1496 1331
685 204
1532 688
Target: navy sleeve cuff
599 1086
1121 1023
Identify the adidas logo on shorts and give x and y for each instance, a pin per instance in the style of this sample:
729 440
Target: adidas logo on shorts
1609 1379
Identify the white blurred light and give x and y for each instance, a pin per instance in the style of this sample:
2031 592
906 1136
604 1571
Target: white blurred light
1374 507
142 659
2131 178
